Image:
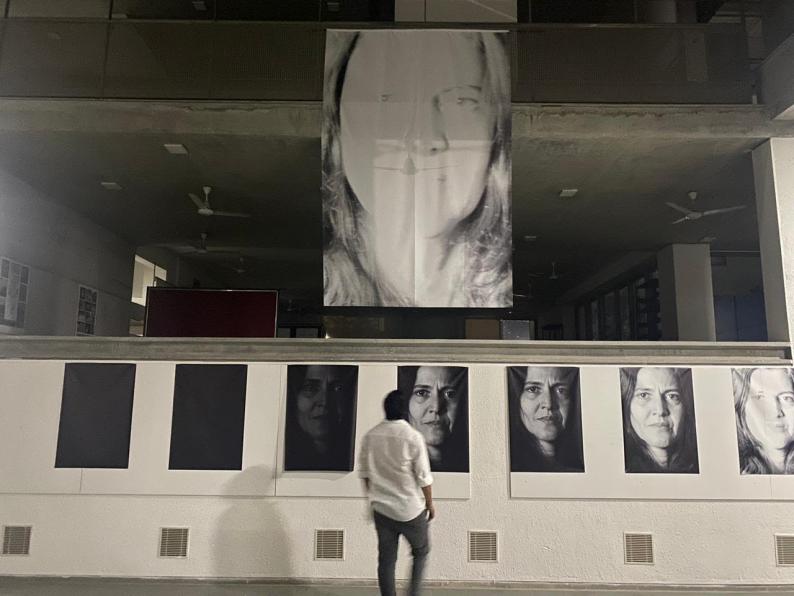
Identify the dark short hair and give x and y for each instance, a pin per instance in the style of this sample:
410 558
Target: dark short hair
394 405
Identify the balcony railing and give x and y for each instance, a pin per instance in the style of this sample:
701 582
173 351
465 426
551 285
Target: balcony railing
245 60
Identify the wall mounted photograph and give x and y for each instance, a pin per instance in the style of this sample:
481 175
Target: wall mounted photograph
437 406
764 406
659 430
416 169
544 408
208 417
321 418
96 415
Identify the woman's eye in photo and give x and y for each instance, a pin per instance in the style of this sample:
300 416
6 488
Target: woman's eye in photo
532 389
674 397
642 395
422 393
337 387
787 397
561 390
450 394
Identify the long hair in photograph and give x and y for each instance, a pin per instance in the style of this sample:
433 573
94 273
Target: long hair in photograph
351 275
751 455
683 451
526 454
453 452
330 396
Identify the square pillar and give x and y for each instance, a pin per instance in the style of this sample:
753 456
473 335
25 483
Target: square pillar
686 294
773 168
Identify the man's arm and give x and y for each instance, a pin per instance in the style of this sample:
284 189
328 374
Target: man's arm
363 464
423 476
431 511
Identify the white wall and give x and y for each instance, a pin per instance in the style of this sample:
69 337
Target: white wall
63 250
575 539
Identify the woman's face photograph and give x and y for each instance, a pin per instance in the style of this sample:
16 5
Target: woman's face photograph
545 402
416 137
656 408
434 402
769 409
318 400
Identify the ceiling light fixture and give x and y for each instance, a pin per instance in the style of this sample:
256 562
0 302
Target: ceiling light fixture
111 185
567 193
175 148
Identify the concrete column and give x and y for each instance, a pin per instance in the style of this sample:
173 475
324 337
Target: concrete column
773 167
686 294
661 11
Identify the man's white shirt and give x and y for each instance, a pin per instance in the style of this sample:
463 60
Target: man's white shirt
393 457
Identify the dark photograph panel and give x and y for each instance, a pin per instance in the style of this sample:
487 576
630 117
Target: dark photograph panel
545 419
209 417
437 406
320 430
764 406
96 416
659 431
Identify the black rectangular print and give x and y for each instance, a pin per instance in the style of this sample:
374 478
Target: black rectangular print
437 405
659 430
96 416
545 419
208 417
320 429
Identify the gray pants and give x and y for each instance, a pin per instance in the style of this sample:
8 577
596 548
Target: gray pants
389 530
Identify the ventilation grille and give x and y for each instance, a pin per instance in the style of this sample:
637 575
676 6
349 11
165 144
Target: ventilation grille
638 549
173 542
16 540
482 546
329 545
784 550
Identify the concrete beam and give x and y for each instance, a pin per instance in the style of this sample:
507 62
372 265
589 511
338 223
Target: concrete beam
393 350
303 119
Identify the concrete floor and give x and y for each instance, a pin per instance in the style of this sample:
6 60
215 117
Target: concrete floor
111 587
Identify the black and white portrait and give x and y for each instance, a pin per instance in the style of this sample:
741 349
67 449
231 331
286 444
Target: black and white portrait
659 431
764 404
321 413
545 419
416 169
437 406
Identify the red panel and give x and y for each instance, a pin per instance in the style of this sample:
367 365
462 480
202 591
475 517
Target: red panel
173 312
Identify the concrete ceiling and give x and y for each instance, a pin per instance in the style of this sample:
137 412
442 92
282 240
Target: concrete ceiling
623 181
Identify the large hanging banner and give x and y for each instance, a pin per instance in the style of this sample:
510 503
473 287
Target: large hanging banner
416 169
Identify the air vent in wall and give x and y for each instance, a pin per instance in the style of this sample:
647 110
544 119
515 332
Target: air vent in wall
638 549
482 547
784 550
329 545
16 540
173 542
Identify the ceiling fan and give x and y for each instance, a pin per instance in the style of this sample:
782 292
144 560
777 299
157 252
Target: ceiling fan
692 215
206 210
197 249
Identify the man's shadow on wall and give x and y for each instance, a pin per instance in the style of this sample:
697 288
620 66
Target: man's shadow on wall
249 541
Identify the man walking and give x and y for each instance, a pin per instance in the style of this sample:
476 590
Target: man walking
395 468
